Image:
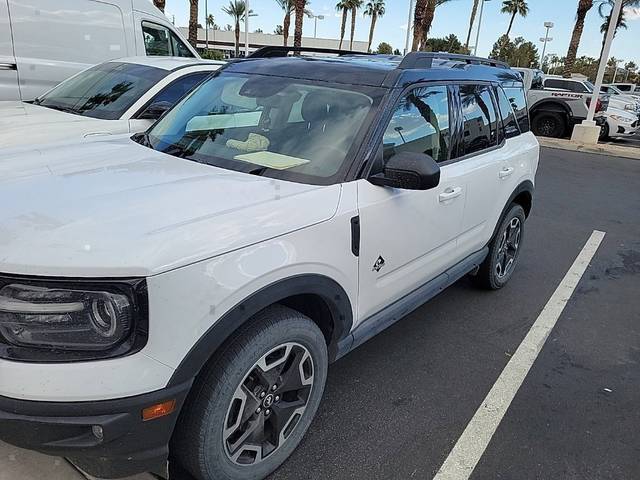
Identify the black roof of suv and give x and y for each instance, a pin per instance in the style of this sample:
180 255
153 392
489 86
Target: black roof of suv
388 71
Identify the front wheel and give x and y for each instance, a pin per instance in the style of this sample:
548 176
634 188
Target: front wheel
254 403
504 250
604 132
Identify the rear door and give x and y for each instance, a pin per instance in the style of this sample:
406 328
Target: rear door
9 89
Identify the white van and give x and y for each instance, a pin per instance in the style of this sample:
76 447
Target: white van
43 42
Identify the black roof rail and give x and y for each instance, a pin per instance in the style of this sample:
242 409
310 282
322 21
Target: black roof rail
425 60
282 51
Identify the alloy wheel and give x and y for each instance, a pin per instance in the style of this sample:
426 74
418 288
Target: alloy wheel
508 249
268 404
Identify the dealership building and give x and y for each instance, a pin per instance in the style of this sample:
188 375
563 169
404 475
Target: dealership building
224 41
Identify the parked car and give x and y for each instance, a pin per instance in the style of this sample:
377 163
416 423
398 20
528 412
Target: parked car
619 99
86 32
189 286
628 88
556 104
620 123
120 96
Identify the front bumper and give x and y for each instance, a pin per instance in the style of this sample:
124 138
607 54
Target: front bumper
128 445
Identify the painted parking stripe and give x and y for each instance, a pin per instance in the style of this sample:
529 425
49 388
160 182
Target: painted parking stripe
466 453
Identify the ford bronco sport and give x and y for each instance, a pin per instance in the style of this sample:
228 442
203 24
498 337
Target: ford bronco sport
179 295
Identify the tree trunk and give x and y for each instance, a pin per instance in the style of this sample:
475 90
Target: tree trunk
474 9
286 24
418 22
193 23
297 34
374 18
354 13
343 27
513 17
237 32
428 20
583 7
159 4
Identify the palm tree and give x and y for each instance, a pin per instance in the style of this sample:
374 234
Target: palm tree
472 19
514 7
289 8
355 6
236 9
159 4
343 6
622 21
374 9
193 23
583 8
423 18
299 8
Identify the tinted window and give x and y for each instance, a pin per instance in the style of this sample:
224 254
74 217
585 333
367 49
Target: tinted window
479 117
515 94
536 79
577 87
555 83
179 88
625 88
160 41
509 122
244 123
105 91
420 124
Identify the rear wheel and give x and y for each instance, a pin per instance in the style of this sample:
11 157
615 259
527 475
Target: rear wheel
504 250
549 124
254 403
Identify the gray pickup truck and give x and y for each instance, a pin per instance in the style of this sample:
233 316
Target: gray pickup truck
556 104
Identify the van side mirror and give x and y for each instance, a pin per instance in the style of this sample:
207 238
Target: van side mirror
155 110
410 171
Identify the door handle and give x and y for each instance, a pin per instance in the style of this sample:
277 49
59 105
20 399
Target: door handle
450 194
8 66
506 171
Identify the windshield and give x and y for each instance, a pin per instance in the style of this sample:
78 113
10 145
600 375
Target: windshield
105 91
590 86
279 127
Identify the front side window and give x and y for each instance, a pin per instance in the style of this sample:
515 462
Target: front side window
480 126
160 41
105 91
507 114
420 124
273 126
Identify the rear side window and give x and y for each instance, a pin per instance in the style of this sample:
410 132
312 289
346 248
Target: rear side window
507 115
420 124
160 41
553 83
515 94
480 125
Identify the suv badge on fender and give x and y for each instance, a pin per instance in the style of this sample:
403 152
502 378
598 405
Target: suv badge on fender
379 264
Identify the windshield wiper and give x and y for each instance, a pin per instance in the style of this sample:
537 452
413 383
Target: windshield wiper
61 108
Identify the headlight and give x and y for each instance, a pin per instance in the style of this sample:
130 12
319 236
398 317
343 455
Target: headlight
630 106
58 322
621 119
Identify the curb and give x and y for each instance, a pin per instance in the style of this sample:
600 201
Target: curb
600 148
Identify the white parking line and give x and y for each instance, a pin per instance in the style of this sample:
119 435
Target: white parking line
466 453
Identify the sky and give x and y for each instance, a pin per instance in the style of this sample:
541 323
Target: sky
452 17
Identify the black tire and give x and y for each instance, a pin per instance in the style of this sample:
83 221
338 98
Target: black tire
604 132
493 273
200 443
549 124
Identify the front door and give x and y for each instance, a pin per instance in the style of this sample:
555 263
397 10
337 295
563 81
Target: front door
9 89
408 237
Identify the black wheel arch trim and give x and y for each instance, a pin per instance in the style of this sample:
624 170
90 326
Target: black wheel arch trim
524 187
327 289
547 105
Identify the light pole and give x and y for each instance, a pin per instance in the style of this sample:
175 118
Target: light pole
615 70
315 23
588 131
409 22
206 25
475 47
246 28
545 39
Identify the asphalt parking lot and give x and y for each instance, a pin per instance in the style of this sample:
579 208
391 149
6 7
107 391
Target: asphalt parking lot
396 406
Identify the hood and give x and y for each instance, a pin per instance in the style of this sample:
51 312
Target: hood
23 123
116 209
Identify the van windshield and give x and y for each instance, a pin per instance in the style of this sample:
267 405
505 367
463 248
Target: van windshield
279 127
105 91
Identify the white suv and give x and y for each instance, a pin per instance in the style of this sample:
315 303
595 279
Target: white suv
179 295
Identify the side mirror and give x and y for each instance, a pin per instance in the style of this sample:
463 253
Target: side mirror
410 171
155 110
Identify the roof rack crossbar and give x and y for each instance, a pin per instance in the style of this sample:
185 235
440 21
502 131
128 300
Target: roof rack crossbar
282 51
425 60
